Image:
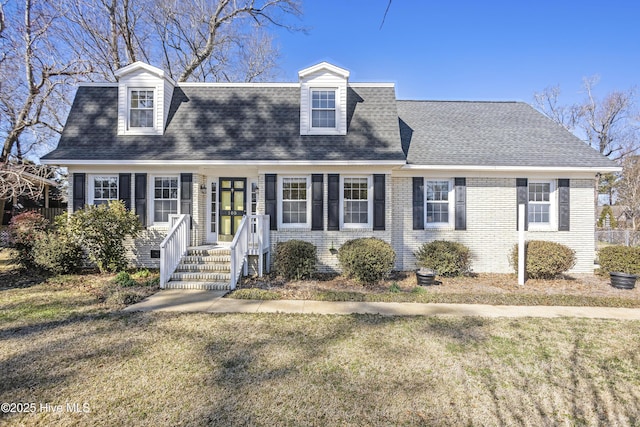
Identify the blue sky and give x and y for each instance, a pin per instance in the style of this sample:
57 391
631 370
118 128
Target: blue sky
471 50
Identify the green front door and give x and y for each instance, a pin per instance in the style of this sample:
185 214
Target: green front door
233 197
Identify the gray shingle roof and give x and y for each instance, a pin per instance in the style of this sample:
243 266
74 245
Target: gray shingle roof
232 123
489 134
263 123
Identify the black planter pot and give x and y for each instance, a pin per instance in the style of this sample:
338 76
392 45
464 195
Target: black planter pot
426 278
622 280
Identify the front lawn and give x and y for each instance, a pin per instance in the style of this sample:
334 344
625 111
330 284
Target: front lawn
275 369
494 289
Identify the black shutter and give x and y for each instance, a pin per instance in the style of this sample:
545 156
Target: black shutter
418 203
333 203
141 197
317 203
522 191
461 203
270 199
564 201
378 202
79 191
124 189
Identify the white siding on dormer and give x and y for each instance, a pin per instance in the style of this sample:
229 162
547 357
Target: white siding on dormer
163 91
323 79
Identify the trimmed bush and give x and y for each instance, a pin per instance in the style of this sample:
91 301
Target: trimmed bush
57 254
545 260
295 259
24 230
624 259
449 259
367 260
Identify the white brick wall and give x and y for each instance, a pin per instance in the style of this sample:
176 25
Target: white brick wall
491 225
490 235
324 240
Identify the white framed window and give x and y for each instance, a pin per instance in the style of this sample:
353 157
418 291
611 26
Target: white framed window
356 204
439 203
294 195
141 109
103 189
165 198
541 205
323 109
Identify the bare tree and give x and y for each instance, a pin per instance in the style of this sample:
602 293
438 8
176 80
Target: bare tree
198 40
629 189
41 77
607 124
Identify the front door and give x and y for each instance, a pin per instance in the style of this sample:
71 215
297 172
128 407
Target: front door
233 206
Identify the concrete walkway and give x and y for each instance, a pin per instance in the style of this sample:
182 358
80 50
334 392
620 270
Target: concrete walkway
212 302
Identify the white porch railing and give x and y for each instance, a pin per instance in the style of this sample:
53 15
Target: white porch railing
252 238
259 240
174 247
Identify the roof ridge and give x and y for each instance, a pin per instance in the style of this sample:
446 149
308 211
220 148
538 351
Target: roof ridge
461 101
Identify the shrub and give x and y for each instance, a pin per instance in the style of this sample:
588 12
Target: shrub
624 259
24 230
447 258
545 260
124 280
295 259
57 254
367 260
101 230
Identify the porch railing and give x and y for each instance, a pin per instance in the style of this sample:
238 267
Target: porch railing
239 250
259 243
174 247
252 238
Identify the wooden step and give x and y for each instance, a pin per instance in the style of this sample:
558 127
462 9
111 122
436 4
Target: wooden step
208 286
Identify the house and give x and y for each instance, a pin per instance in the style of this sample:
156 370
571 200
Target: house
328 160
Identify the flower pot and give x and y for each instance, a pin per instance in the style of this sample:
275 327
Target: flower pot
426 277
622 280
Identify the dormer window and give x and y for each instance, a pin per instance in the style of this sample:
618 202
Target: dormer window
323 100
323 109
141 108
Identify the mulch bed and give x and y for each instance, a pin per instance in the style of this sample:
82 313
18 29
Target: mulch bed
577 285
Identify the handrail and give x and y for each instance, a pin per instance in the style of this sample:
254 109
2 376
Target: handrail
174 247
252 235
239 249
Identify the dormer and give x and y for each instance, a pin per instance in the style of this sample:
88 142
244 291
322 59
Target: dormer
323 100
144 97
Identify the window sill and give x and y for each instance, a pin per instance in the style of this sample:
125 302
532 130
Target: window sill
293 228
539 228
439 227
367 228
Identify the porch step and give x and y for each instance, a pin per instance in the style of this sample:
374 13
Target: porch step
201 277
197 259
207 286
203 267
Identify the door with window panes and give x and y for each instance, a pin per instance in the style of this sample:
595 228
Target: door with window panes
232 206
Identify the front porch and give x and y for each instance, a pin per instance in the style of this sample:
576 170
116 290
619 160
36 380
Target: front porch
215 266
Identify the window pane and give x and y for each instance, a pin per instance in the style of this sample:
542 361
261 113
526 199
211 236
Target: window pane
356 204
294 200
323 118
539 213
141 108
437 212
166 198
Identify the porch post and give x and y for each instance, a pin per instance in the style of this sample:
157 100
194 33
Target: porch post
521 250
